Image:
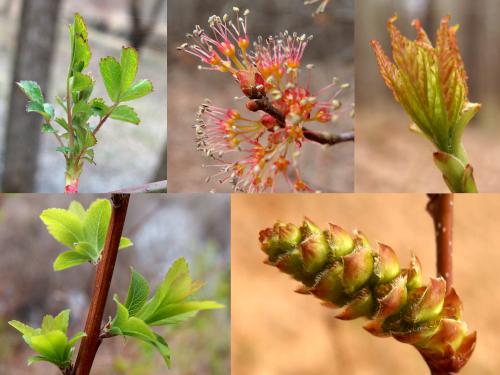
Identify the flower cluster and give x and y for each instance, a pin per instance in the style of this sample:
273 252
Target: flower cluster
269 144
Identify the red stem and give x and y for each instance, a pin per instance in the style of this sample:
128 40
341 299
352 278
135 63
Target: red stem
440 207
90 343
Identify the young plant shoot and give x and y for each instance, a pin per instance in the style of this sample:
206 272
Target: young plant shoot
84 115
430 83
84 233
254 151
346 272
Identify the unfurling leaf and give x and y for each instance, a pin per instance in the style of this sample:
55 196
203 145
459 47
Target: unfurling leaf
82 231
369 283
170 304
50 340
430 83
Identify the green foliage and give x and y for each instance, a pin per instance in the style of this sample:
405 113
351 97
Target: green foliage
170 304
50 341
82 231
83 115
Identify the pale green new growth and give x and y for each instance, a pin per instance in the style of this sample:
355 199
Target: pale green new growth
84 116
82 231
50 340
170 304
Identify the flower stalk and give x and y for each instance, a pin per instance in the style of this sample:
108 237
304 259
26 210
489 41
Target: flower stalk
430 83
346 272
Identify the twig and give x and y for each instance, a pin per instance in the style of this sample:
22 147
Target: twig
440 207
153 187
90 343
259 102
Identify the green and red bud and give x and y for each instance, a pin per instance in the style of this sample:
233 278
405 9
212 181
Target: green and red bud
344 272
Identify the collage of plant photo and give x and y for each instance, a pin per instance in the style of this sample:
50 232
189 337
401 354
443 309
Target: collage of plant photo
249 187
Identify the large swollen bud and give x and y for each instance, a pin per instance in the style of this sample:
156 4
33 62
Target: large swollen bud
345 272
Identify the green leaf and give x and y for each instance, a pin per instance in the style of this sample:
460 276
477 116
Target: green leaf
62 122
51 345
50 341
49 110
99 107
76 337
59 322
124 243
81 81
111 74
77 208
23 328
47 128
137 293
63 149
32 91
140 89
63 225
96 222
69 259
129 64
86 249
125 113
179 312
80 50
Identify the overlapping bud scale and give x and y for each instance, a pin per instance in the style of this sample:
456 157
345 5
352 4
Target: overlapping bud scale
346 273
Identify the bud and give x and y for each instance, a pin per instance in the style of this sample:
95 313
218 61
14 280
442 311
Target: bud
362 304
358 268
340 241
329 286
251 83
279 239
386 264
347 274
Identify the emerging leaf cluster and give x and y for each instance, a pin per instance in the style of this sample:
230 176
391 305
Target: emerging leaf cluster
430 83
50 341
77 133
170 304
82 231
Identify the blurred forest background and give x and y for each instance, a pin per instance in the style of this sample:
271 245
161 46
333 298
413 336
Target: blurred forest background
278 332
389 158
331 51
126 155
162 229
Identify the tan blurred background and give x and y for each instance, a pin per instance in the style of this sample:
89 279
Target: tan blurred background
126 155
389 158
276 331
163 228
331 50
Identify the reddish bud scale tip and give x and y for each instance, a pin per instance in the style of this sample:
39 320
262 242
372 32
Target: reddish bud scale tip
347 273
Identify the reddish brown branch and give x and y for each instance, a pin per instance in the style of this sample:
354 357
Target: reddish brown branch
262 103
90 343
440 207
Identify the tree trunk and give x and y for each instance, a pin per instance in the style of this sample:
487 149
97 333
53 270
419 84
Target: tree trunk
35 44
142 27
